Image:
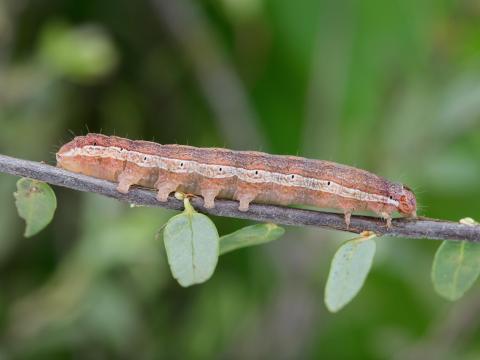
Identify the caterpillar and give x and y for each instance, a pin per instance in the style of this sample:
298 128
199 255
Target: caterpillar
245 176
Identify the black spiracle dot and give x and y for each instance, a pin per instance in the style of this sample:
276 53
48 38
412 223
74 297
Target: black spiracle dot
328 183
94 143
391 197
144 158
293 176
220 169
256 172
181 164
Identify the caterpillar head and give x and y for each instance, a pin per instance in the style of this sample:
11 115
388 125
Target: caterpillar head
407 203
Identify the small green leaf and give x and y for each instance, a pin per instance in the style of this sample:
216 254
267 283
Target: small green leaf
192 245
468 221
36 203
455 268
348 271
250 236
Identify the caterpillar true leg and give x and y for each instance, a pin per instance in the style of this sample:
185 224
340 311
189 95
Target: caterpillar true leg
348 215
387 217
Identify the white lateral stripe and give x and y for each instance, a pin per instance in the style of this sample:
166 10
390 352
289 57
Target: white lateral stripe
225 171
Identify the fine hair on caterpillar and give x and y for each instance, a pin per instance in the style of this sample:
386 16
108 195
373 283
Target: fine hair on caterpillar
245 176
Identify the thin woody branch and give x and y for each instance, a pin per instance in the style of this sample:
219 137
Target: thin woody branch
409 228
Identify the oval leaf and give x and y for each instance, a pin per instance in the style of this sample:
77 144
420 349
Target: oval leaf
36 203
455 268
348 271
250 236
192 244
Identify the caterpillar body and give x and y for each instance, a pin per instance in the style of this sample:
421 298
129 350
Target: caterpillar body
245 176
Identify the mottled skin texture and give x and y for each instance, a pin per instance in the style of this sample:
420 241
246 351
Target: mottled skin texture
128 173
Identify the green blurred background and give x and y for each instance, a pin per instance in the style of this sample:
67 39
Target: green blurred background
389 86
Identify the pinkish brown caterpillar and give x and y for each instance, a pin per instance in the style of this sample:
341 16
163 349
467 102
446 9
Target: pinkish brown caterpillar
246 176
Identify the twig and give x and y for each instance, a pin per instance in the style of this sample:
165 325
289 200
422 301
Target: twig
409 228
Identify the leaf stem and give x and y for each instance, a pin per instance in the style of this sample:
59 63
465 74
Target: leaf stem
188 207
